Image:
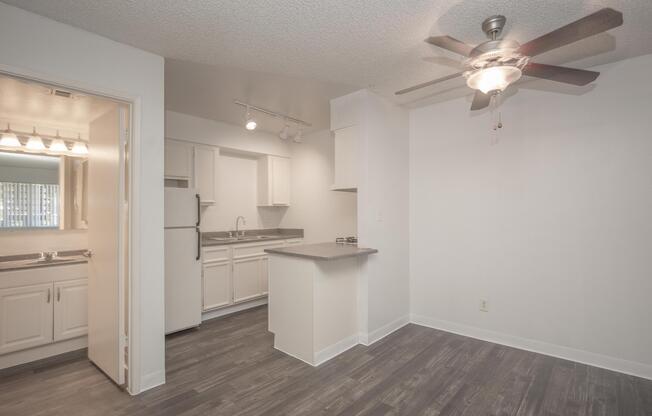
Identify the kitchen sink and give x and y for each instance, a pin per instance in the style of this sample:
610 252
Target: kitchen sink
243 238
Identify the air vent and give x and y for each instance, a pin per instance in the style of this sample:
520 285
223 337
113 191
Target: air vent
62 93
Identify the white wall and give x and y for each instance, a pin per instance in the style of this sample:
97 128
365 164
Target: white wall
383 215
237 194
552 224
216 133
35 241
58 53
322 213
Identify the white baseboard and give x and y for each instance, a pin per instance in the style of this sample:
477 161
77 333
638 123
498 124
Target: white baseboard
558 351
233 309
380 333
335 349
44 351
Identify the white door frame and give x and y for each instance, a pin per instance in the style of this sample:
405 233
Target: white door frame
134 146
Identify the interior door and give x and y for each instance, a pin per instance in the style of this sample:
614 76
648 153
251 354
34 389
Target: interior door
106 162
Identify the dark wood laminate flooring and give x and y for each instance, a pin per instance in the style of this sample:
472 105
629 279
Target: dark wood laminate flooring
228 367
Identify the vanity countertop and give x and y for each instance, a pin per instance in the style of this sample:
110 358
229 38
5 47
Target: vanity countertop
32 260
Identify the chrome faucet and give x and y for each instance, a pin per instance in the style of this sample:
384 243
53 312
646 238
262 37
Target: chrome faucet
237 221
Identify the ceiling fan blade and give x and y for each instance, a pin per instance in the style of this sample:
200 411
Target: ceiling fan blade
427 84
590 25
480 100
560 74
451 44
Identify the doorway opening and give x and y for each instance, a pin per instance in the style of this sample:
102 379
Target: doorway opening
65 223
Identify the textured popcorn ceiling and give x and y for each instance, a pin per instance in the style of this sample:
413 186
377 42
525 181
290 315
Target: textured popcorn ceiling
354 43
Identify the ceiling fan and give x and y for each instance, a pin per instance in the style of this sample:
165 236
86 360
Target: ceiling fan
493 65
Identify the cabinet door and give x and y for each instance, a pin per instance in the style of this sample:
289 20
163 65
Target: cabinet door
246 279
280 181
346 159
216 285
205 173
178 159
25 317
70 309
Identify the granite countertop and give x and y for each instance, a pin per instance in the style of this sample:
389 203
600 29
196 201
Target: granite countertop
220 238
32 261
323 251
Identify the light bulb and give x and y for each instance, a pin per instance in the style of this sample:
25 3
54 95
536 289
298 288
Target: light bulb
34 142
79 148
251 124
9 139
495 78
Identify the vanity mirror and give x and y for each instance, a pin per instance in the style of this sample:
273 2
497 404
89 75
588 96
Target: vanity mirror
42 191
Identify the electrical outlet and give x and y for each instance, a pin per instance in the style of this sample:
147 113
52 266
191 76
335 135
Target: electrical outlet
484 305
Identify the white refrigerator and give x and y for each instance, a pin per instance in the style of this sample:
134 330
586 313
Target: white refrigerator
183 292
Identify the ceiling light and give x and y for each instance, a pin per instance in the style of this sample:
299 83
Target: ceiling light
495 78
34 142
58 145
283 135
79 147
9 139
298 138
250 124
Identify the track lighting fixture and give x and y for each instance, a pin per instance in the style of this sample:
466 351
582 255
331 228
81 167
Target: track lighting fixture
34 142
250 123
9 138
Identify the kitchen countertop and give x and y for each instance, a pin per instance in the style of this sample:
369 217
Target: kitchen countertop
220 238
323 251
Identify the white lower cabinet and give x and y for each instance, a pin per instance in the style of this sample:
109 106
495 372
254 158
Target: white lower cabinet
236 273
70 309
25 317
246 279
216 285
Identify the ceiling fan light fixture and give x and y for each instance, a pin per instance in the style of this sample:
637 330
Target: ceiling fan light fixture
495 78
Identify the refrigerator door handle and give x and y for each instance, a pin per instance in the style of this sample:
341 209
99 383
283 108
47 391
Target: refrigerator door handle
198 244
198 210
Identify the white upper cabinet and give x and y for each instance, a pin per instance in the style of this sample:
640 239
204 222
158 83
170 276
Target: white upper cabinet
345 171
178 159
346 111
205 173
347 124
273 181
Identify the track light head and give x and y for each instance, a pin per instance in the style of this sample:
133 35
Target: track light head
283 135
250 123
298 138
